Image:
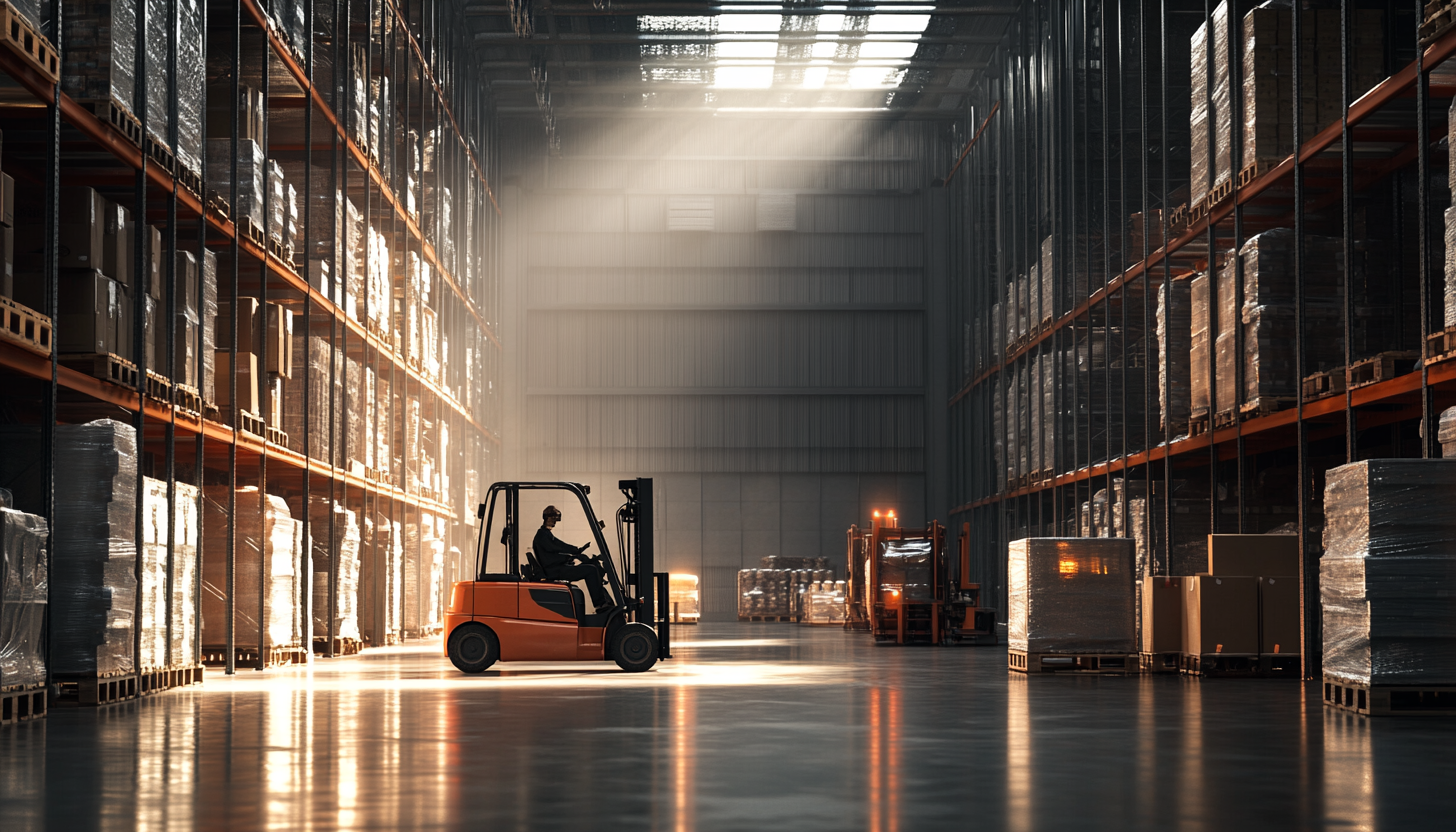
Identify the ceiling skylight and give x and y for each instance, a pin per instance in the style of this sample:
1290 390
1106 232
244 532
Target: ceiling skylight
860 50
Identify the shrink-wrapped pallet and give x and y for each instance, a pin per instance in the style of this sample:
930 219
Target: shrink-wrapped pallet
1210 105
907 569
1448 292
152 591
93 577
191 86
99 62
1174 338
1269 308
159 91
24 592
1071 595
207 325
270 593
826 602
324 390
169 576
1446 433
334 531
1388 573
764 592
252 176
1046 274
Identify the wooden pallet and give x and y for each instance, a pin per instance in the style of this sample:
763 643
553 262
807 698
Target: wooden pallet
1383 367
161 155
253 232
1087 664
248 656
1441 345
22 703
97 689
1439 18
1198 210
1219 664
119 117
252 423
187 398
1323 385
105 366
1264 405
24 326
22 38
1225 419
159 388
189 179
218 205
1217 194
1178 220
342 646
769 618
1197 425
277 437
1254 170
1159 662
1281 666
1390 700
156 681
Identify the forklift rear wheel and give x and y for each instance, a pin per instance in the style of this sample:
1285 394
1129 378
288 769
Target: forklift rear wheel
634 647
473 648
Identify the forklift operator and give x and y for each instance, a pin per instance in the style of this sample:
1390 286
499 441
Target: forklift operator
556 559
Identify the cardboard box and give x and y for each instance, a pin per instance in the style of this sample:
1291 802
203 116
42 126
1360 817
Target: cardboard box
116 236
245 382
184 279
90 309
185 348
7 200
1279 615
280 340
247 325
1253 554
155 263
1162 614
82 228
1221 614
7 277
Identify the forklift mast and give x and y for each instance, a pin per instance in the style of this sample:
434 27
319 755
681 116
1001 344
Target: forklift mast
648 585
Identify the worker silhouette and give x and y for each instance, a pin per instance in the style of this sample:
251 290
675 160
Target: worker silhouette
557 560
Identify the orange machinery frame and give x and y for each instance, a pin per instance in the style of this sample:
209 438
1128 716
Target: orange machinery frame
892 616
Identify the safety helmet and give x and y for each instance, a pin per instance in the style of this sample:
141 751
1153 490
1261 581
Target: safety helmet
550 512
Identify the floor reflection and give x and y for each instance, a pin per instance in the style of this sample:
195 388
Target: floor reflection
796 729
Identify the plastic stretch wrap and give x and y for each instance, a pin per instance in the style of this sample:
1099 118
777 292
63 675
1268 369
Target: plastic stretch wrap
252 179
906 567
352 413
1174 340
357 254
186 514
1209 164
998 443
1268 314
268 545
1388 574
1047 273
38 14
191 83
325 394
152 593
764 592
1448 290
826 602
93 589
208 325
346 540
100 56
1071 595
159 92
23 597
1013 314
1446 433
278 202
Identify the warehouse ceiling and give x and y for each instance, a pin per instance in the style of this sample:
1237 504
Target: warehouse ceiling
803 56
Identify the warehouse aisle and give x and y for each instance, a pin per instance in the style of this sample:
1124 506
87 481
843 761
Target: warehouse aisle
751 726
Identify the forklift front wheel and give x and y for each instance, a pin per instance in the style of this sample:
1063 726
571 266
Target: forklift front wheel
473 648
634 647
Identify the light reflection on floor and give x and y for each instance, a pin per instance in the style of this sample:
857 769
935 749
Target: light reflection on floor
750 727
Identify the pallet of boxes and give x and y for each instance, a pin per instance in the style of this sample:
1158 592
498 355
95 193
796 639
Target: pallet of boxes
1240 618
776 592
23 598
1387 580
1071 606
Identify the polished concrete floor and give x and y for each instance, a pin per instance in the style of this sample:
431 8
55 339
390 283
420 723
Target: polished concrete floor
749 727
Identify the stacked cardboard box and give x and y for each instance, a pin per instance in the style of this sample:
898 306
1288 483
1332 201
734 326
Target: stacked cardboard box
334 531
99 63
1175 331
1071 595
1446 433
1389 572
381 582
252 176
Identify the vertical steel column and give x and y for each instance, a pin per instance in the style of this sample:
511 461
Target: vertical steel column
1308 578
1212 311
52 245
1167 501
1236 149
1430 448
168 364
305 556
260 336
199 449
141 250
232 376
1347 219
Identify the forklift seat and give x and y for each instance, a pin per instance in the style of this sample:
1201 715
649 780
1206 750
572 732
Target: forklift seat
533 570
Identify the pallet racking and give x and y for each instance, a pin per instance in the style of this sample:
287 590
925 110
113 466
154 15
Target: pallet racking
1089 154
434 203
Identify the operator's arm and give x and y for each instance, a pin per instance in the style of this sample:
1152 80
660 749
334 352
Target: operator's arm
551 551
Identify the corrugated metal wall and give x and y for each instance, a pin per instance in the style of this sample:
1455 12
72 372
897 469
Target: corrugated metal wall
774 382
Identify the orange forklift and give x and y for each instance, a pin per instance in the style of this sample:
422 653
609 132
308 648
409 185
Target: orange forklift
518 615
908 593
